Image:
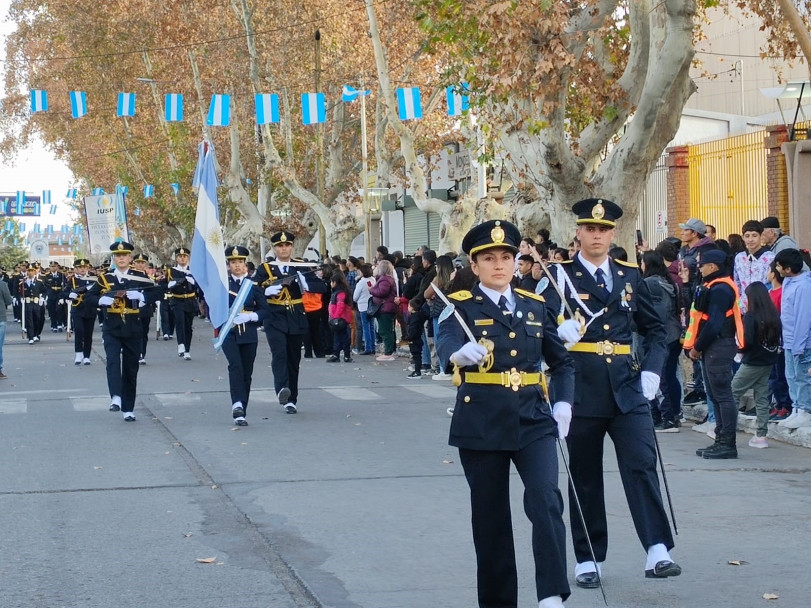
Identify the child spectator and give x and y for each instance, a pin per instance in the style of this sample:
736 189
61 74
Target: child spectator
778 386
340 317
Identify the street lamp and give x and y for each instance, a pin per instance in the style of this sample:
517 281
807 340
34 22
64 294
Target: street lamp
372 203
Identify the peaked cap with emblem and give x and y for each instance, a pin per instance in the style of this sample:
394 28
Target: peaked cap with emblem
494 233
182 251
140 258
121 247
236 252
597 211
282 237
81 262
33 266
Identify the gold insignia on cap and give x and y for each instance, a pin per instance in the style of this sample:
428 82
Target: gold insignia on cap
497 234
284 237
235 251
120 246
598 211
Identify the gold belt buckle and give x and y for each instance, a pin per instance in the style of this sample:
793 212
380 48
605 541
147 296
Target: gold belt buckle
512 379
606 348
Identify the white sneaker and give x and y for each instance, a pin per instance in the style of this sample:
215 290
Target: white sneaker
802 419
86 361
129 416
187 356
31 341
77 360
442 376
758 442
791 416
554 601
181 350
704 428
142 361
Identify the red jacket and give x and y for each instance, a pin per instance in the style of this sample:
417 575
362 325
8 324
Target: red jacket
338 307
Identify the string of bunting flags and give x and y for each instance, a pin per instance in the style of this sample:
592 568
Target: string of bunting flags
313 105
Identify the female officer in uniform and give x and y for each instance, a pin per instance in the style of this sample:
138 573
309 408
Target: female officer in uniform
502 415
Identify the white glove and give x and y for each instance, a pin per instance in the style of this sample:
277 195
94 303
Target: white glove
650 385
569 331
171 284
135 295
106 301
303 282
73 295
60 301
273 290
562 413
245 317
470 354
738 358
191 280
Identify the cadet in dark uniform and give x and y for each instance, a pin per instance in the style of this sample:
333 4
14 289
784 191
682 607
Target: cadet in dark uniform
82 314
121 293
240 344
55 282
612 390
14 287
167 319
182 293
33 293
286 323
503 415
141 263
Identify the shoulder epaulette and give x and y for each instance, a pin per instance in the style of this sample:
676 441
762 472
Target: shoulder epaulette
529 294
460 296
562 262
628 264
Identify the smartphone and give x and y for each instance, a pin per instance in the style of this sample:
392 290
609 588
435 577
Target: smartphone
639 237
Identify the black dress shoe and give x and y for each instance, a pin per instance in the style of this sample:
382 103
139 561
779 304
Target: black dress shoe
114 407
663 569
587 580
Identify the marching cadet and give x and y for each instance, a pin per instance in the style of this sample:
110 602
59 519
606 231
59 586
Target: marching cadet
167 320
82 313
503 415
17 277
182 294
54 282
121 293
32 296
240 344
141 263
603 300
286 322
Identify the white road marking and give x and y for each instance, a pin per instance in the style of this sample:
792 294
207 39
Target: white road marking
354 394
13 406
431 390
90 404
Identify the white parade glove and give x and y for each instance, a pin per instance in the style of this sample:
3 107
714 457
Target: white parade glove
106 301
273 290
562 413
470 354
73 295
650 385
171 284
191 280
135 295
245 317
15 301
303 282
60 301
569 331
738 358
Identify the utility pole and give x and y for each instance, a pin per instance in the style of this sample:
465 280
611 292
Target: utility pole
319 157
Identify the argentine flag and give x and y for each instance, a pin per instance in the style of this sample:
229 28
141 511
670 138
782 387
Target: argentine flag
175 188
408 103
207 262
124 190
457 103
219 112
267 108
126 104
39 101
174 107
313 108
350 94
149 191
78 104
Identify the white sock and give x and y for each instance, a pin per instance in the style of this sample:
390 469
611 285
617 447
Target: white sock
553 601
236 405
583 567
656 553
116 399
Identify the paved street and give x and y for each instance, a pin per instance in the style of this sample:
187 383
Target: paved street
355 502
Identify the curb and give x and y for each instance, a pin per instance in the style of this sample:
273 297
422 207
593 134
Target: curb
800 437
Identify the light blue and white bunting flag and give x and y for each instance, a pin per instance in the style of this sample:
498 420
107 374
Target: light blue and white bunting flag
267 108
77 229
49 229
457 102
207 263
137 211
78 104
98 191
123 190
175 188
53 209
39 101
350 94
149 191
46 197
313 108
9 226
408 103
20 202
21 226
71 193
174 107
219 112
126 104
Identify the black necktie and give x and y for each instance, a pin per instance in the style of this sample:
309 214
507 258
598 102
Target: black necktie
284 269
502 304
599 277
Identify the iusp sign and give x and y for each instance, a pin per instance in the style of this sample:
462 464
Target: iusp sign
106 218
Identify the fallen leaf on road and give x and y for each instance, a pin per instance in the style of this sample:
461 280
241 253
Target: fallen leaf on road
206 560
357 424
447 462
195 380
187 535
770 596
168 418
214 487
737 562
96 468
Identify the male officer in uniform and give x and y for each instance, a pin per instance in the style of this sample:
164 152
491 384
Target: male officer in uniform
33 293
82 314
503 415
14 287
55 282
240 344
121 293
604 298
286 322
182 294
141 263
